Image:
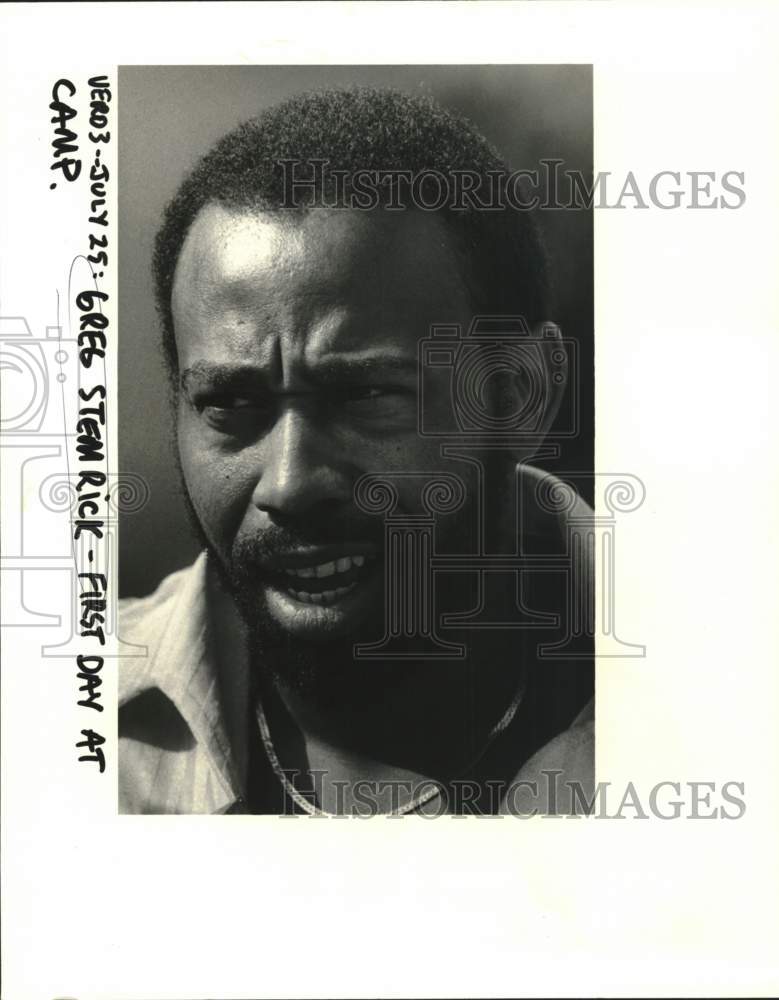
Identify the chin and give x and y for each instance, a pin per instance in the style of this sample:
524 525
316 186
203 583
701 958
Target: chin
312 622
282 610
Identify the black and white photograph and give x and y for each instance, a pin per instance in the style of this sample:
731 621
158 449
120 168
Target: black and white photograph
368 439
388 580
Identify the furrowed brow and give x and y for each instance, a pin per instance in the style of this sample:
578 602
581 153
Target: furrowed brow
326 373
344 370
220 376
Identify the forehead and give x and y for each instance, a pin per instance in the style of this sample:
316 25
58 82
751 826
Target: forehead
244 277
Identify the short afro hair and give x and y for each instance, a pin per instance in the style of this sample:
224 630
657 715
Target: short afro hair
504 261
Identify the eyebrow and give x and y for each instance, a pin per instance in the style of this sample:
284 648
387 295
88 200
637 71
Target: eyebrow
330 371
220 375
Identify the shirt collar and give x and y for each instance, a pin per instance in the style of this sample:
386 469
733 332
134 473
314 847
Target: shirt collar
182 663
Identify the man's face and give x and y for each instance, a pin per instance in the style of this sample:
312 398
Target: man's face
297 345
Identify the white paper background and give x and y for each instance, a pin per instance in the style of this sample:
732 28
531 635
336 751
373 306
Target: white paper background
100 906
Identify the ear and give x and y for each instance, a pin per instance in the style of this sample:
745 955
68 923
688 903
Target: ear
556 362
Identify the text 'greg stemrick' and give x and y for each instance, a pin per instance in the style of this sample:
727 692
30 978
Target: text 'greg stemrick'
91 302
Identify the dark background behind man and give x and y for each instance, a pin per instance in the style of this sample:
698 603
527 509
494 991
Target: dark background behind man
169 115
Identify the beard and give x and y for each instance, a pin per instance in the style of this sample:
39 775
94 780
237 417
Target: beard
325 672
312 668
328 672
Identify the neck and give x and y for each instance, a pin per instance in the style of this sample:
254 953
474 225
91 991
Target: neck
420 717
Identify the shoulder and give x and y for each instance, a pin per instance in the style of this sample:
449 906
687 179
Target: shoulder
549 498
560 776
138 615
159 652
148 625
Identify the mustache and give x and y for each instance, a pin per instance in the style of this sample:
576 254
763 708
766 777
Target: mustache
275 541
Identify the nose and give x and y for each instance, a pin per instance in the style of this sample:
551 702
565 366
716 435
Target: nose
299 470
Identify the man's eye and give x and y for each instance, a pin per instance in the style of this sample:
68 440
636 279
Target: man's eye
375 402
226 402
360 394
369 394
232 413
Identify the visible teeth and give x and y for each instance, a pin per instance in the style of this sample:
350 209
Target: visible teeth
326 598
331 596
342 565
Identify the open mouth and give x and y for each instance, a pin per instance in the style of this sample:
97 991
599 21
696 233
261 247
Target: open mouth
325 583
